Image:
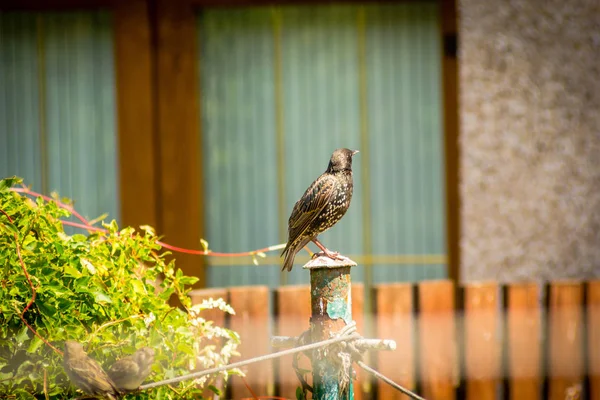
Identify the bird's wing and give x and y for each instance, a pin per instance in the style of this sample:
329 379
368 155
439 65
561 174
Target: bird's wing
126 365
310 205
144 358
90 372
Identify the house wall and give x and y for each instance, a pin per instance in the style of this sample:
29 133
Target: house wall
529 79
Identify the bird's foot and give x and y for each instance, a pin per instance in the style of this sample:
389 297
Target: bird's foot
334 255
320 254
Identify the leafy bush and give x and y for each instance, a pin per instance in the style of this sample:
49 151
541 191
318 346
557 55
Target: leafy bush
100 289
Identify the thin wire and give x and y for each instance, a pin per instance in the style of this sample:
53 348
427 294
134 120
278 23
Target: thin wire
239 364
389 381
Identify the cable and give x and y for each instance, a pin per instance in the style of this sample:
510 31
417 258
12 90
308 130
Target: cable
389 381
249 361
299 349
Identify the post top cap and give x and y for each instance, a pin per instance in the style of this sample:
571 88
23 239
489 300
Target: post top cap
322 261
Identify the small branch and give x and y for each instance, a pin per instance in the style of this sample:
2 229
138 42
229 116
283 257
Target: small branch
87 226
82 226
40 336
26 190
22 263
249 388
217 254
110 323
46 384
21 315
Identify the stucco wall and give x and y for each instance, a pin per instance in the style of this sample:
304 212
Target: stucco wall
529 139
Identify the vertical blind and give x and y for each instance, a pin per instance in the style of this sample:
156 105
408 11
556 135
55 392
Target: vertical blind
57 108
281 88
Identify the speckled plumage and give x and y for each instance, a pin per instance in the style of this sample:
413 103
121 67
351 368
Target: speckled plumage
86 373
322 205
129 372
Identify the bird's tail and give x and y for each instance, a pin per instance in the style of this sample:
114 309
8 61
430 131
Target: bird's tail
290 252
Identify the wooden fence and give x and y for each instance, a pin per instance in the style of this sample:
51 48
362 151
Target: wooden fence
480 341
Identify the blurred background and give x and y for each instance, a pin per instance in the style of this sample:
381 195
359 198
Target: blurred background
477 125
208 119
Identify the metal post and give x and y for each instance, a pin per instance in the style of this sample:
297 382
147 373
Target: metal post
331 306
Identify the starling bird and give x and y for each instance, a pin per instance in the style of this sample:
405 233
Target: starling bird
86 373
322 205
129 372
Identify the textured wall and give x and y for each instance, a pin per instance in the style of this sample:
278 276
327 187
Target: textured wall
530 139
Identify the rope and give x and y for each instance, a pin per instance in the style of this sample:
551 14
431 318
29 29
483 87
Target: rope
389 381
239 364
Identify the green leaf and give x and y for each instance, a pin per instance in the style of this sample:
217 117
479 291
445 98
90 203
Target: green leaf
215 390
9 227
101 297
7 183
188 280
5 376
69 270
59 247
23 394
22 336
35 343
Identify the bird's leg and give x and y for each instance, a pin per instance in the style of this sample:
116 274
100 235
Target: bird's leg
334 255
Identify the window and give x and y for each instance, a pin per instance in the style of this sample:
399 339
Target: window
57 106
283 87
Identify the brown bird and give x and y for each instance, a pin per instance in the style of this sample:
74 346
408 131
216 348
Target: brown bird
129 372
87 374
322 205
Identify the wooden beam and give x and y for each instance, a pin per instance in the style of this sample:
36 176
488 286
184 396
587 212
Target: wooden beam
135 113
179 168
451 135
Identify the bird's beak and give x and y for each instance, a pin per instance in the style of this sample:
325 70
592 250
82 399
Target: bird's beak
354 152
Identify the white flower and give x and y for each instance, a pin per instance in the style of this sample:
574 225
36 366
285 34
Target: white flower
149 319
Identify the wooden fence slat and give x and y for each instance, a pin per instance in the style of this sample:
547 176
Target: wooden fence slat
293 305
524 319
565 338
358 308
251 321
593 337
482 340
215 315
437 333
437 340
394 308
